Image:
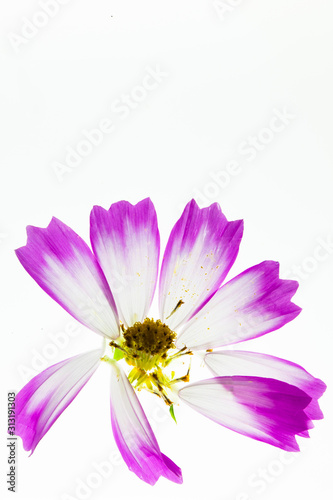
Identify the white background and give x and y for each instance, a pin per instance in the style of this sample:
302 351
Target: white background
226 70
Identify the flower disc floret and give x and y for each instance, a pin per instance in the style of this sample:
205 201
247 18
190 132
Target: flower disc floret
146 347
150 337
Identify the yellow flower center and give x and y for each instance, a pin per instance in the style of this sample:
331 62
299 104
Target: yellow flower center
148 342
145 346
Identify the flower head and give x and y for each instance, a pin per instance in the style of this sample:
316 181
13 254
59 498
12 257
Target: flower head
110 288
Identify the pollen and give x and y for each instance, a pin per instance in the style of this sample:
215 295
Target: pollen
151 337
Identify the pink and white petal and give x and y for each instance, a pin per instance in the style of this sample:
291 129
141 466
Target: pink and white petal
262 408
126 242
263 365
253 303
46 396
134 436
201 249
64 267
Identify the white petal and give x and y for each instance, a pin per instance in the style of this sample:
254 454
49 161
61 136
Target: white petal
65 267
125 240
253 303
46 396
200 251
263 365
262 408
133 434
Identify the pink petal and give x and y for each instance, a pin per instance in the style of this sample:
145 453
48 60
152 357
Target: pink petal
126 242
253 303
201 249
262 408
262 365
134 436
46 396
64 266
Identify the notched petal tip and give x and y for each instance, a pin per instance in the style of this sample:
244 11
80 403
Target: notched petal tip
127 204
97 209
31 232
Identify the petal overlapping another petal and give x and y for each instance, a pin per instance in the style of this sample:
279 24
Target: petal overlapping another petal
134 436
200 251
46 396
253 303
126 242
64 266
263 365
262 408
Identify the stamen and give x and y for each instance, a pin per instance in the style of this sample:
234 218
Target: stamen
114 344
178 354
180 303
185 378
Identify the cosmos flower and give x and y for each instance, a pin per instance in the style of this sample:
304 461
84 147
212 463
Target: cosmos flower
110 288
